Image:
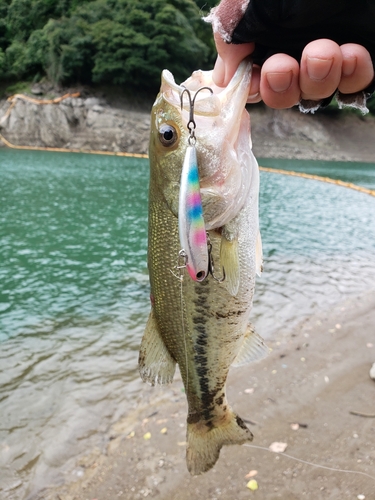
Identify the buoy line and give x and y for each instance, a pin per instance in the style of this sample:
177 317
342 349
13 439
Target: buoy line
349 185
13 99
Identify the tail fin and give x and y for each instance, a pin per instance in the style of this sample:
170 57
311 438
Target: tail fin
204 443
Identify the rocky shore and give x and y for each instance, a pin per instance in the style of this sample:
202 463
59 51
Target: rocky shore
103 124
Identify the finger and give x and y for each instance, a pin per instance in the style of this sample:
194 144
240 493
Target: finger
229 57
320 72
254 93
357 68
279 85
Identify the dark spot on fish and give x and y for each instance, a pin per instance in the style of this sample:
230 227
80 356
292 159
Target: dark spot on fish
141 358
220 315
193 418
199 350
228 314
219 400
241 423
201 341
201 360
198 320
209 424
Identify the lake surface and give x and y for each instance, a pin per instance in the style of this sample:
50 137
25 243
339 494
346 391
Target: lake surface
74 294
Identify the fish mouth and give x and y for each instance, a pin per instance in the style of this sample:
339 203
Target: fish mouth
221 132
235 94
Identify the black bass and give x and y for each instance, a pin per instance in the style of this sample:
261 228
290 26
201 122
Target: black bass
201 321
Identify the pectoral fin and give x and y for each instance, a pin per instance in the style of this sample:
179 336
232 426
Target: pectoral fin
156 365
230 262
253 348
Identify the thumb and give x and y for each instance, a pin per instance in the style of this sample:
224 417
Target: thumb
229 57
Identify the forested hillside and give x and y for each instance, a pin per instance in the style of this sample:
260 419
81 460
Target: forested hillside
121 42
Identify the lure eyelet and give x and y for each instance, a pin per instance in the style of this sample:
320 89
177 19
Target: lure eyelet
167 135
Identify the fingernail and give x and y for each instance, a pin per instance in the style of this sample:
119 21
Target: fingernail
279 82
253 98
218 74
348 66
318 69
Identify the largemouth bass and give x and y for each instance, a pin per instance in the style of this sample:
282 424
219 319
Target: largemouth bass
203 324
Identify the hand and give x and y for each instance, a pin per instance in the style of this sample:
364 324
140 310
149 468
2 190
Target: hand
282 81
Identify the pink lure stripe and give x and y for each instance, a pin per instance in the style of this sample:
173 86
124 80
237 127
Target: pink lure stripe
193 199
192 271
199 237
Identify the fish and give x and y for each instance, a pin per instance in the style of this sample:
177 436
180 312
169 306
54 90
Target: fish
201 322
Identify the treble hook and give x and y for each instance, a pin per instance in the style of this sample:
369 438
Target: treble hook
191 125
211 269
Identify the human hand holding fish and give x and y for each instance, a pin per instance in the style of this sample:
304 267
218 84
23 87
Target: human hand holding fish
203 211
303 51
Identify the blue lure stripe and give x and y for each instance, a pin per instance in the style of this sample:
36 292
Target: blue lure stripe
193 176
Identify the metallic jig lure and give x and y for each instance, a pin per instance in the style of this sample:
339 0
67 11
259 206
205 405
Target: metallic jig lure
192 231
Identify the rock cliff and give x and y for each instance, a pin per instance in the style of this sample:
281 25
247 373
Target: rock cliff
75 123
93 124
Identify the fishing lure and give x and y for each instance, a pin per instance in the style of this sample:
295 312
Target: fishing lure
192 231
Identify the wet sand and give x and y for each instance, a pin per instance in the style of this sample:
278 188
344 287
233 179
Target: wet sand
302 395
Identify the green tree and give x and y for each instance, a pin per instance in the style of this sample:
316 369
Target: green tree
69 55
2 64
126 42
16 60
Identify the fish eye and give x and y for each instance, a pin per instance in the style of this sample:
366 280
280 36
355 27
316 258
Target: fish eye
167 135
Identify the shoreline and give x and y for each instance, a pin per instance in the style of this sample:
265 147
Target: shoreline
93 124
295 384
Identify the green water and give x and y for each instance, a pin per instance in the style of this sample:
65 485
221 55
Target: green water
74 232
74 294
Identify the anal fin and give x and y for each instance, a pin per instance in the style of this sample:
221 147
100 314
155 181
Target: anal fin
156 365
253 348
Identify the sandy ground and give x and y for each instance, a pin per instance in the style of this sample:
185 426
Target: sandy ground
302 395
